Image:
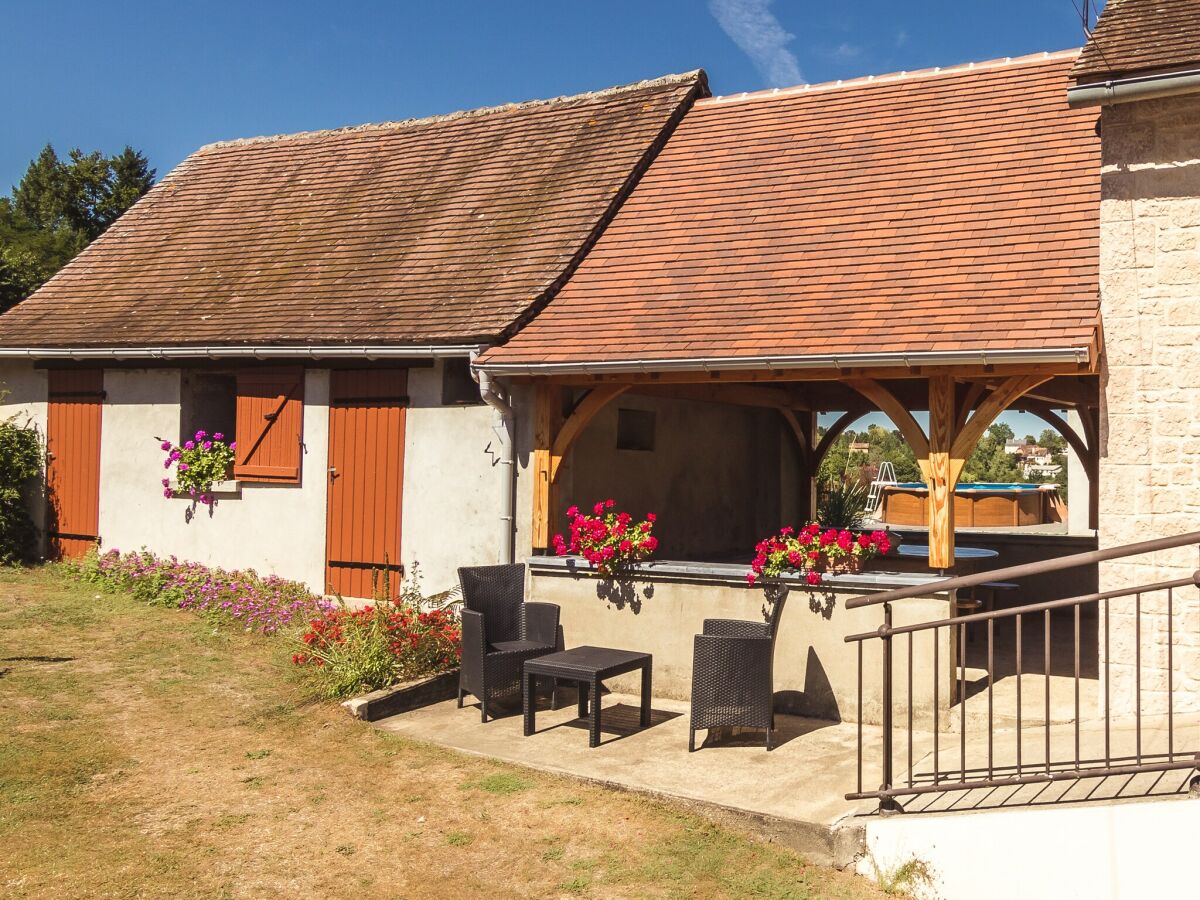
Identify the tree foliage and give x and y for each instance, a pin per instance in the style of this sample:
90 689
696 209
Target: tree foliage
20 463
60 206
989 462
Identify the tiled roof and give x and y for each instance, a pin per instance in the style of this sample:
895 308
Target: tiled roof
938 211
438 230
1141 36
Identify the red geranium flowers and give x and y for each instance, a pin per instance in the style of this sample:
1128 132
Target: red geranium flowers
608 540
812 550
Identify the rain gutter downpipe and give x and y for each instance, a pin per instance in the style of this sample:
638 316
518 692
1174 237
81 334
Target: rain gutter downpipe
1138 87
497 398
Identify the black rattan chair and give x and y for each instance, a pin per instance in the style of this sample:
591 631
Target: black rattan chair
732 678
500 631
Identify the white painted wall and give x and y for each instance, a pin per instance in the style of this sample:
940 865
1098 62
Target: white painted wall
274 529
1128 850
452 484
1077 484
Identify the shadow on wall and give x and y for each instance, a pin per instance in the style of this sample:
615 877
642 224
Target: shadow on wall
817 699
624 593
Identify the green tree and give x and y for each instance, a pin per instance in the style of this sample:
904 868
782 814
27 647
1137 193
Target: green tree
990 462
59 207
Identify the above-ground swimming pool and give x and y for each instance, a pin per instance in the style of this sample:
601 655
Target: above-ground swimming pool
977 504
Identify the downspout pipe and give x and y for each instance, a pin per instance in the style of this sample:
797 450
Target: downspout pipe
495 396
1139 87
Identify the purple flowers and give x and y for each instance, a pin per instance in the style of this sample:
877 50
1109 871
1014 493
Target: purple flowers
240 598
200 463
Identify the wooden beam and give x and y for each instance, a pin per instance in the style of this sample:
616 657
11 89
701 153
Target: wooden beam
1084 447
941 471
804 428
776 376
546 398
595 400
1000 399
833 432
974 391
887 403
772 396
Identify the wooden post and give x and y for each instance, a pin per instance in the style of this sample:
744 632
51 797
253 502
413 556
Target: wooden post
808 467
941 474
544 417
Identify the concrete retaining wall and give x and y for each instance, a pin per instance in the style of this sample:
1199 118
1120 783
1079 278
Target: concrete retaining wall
815 670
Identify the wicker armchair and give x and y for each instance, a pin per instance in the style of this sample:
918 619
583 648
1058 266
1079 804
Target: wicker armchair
732 680
500 631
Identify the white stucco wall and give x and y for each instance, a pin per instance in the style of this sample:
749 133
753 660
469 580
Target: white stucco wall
274 529
452 484
1077 483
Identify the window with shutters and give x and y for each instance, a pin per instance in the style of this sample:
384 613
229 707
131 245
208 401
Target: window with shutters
270 413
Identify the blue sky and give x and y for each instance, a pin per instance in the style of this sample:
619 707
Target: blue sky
168 77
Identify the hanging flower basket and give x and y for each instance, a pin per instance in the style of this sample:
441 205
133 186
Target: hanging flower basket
199 464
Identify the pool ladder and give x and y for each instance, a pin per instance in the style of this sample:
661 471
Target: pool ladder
885 476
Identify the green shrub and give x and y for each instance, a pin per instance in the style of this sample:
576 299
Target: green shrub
20 462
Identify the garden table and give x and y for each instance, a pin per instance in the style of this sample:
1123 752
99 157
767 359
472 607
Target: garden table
587 667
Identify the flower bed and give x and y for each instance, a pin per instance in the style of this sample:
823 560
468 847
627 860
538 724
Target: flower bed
813 550
354 650
609 540
241 598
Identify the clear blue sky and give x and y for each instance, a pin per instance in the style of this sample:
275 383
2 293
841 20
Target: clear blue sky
168 77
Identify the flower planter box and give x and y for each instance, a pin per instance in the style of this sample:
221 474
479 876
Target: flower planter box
230 488
402 698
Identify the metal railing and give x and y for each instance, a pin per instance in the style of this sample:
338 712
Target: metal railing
994 748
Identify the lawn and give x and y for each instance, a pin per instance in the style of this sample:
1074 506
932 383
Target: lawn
147 754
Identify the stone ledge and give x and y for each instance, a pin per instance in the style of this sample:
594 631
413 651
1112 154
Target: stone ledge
402 698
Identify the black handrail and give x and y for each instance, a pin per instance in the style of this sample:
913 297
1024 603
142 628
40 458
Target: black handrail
1034 568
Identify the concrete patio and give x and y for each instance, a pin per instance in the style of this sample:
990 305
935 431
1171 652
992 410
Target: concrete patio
795 794
792 795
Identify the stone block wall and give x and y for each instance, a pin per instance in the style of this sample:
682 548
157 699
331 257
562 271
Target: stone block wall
1150 387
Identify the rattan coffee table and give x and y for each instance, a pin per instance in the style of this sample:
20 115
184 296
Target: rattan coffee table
587 667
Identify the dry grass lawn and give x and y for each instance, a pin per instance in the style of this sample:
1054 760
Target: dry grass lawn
146 755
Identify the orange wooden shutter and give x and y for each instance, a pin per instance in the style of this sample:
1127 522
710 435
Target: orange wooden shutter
270 418
73 459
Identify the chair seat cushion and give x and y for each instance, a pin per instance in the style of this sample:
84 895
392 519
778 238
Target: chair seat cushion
517 647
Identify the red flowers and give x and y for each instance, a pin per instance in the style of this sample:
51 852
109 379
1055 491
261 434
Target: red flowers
609 541
811 551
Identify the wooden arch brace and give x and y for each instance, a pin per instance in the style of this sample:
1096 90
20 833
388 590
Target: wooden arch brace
951 439
552 440
1086 449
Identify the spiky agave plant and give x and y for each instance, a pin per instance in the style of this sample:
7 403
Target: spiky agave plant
842 504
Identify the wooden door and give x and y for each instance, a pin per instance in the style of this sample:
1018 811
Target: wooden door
366 480
73 460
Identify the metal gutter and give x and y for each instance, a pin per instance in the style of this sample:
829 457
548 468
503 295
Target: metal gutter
307 351
1138 87
1072 355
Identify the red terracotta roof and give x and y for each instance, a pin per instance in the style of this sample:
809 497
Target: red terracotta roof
442 230
1141 36
952 210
